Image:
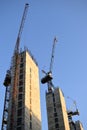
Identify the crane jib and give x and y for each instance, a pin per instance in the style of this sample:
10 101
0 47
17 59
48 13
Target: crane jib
21 28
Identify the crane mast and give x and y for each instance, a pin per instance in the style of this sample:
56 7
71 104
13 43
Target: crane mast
8 80
48 78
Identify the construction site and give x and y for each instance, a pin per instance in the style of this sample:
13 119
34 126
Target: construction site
22 108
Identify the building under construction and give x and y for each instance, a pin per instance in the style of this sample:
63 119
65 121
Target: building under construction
56 110
59 118
21 107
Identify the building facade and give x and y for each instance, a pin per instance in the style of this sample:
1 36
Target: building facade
56 110
26 97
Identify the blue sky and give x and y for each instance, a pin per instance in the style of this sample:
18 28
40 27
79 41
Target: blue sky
46 19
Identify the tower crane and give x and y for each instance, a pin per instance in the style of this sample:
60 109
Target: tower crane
71 112
48 75
7 80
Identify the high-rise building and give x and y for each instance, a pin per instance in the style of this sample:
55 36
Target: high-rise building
56 110
24 102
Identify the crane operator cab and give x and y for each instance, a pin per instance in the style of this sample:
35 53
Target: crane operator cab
47 78
7 80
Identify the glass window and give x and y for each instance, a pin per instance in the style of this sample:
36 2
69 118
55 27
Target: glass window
19 113
20 104
54 109
53 99
30 125
21 65
53 94
20 89
19 96
30 116
21 70
21 76
21 59
19 128
20 82
55 114
19 121
56 125
56 119
54 104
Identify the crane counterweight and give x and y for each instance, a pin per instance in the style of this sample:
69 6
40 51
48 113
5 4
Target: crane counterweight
47 78
7 80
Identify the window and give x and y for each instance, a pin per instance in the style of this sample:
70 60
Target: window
56 125
20 82
21 70
19 113
54 109
19 128
19 104
53 99
21 59
20 89
21 65
53 94
19 121
30 125
55 114
56 120
54 104
19 96
30 116
21 76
